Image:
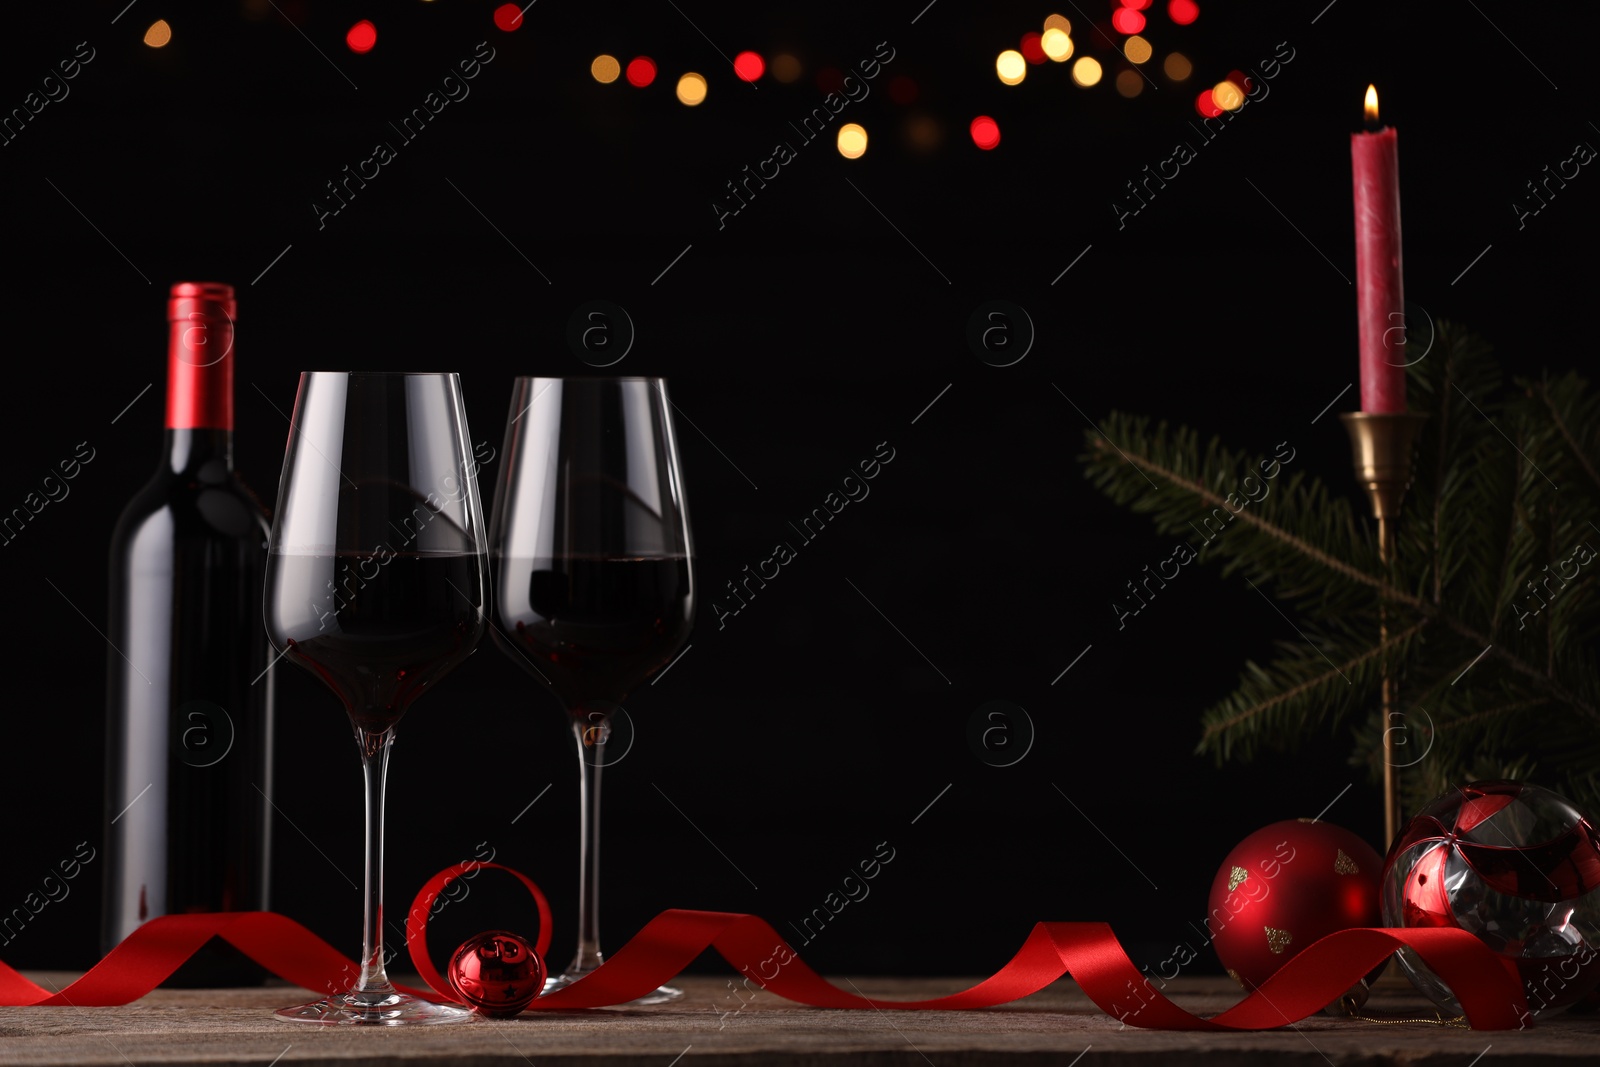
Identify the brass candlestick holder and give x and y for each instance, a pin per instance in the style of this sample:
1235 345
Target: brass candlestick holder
1380 447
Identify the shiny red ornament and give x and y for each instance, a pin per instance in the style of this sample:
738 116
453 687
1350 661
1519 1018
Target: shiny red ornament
496 974
1285 887
1513 864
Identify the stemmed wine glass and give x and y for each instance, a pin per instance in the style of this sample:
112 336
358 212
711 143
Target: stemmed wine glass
593 576
376 577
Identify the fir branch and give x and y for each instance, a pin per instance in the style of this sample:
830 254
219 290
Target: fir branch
1311 552
1485 514
1554 413
1444 429
1353 664
1491 713
1526 669
1141 461
1516 521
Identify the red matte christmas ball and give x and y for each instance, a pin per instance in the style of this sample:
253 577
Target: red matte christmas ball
496 974
1285 887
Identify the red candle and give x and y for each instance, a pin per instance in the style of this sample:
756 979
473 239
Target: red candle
1380 298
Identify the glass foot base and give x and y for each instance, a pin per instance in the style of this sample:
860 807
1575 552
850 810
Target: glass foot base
665 994
373 1009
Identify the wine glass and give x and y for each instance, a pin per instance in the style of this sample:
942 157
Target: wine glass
376 576
593 576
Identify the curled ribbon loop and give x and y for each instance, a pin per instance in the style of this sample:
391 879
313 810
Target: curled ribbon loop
417 919
1486 983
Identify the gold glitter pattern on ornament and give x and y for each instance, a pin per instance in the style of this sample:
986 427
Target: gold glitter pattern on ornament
1303 819
1343 864
1277 940
1235 876
1235 976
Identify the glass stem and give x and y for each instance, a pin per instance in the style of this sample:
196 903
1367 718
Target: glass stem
375 770
591 733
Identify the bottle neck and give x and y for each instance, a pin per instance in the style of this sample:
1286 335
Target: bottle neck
199 389
200 372
191 451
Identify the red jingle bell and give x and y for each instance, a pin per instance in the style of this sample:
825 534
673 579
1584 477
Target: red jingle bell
496 974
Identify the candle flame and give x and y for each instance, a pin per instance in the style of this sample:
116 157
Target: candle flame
1372 103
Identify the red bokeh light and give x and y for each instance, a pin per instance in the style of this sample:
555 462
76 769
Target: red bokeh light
1032 48
1127 20
902 90
1137 5
641 71
830 80
361 37
749 66
508 17
1183 12
985 132
1239 78
1206 105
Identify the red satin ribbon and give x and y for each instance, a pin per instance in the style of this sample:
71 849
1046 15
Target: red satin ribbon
1486 983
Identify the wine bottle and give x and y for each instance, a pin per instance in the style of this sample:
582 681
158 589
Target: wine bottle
189 737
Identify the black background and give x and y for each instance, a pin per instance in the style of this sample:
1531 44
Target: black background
799 336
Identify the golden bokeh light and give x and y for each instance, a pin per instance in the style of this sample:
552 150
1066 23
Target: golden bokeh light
1087 71
924 133
1058 22
785 68
1011 67
158 34
1177 66
1130 83
691 89
1227 96
1137 49
1056 44
605 69
852 140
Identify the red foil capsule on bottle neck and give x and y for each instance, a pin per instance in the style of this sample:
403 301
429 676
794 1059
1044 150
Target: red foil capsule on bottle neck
200 318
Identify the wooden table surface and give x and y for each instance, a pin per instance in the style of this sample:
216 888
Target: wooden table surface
1053 1027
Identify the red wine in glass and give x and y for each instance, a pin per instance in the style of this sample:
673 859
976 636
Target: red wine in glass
401 625
376 584
593 572
594 627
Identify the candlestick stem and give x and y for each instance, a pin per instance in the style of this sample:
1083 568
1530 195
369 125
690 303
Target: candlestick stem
1380 450
1391 773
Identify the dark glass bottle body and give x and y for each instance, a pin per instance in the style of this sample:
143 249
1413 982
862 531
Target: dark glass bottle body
189 738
